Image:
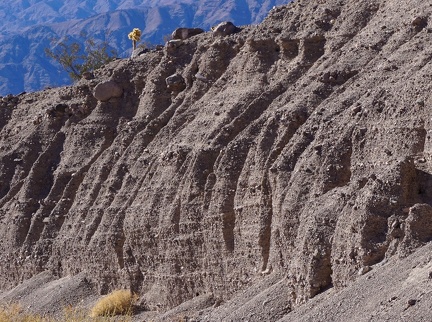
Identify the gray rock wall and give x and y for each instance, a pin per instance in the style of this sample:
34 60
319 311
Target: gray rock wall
261 166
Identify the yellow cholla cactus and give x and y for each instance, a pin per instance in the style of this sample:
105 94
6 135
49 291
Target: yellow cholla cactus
135 34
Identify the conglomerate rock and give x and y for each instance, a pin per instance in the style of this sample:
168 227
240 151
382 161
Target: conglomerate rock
303 158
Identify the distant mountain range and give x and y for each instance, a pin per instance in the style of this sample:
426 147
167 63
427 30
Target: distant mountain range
29 26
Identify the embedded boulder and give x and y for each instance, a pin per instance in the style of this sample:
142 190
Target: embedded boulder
139 51
104 91
185 33
419 23
225 28
175 83
172 45
57 110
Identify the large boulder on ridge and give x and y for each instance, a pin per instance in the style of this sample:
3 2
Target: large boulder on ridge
225 28
185 33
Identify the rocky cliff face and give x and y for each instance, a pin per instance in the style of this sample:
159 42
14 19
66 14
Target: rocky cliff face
287 158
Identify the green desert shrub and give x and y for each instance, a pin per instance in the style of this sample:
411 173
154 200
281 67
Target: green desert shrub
79 57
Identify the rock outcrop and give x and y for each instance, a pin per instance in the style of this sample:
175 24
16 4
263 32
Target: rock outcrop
300 165
175 83
185 33
106 90
224 29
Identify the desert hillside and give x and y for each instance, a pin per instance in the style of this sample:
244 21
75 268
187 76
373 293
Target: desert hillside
282 172
30 26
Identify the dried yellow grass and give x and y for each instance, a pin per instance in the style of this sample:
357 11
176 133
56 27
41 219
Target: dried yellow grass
119 302
14 313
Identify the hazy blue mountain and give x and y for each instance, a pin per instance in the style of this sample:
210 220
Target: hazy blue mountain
28 26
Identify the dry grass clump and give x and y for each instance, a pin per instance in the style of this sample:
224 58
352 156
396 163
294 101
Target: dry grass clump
14 313
118 302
